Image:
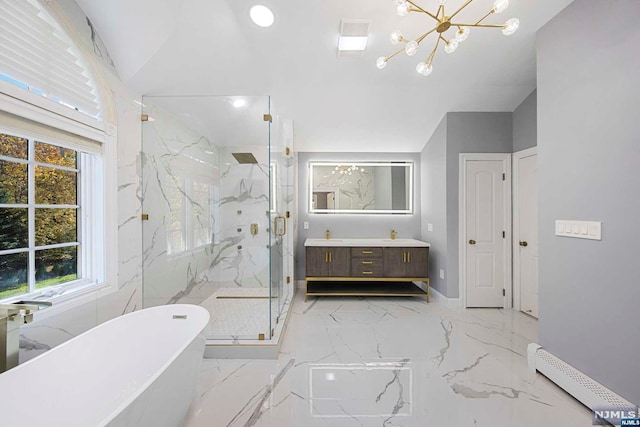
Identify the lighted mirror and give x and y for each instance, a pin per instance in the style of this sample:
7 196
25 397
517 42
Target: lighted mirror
361 187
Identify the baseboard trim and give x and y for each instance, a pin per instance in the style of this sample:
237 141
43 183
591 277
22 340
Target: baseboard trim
442 300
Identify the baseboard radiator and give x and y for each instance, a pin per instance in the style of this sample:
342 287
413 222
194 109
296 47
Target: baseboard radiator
591 393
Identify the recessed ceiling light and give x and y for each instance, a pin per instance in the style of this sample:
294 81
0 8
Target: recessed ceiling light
239 103
352 43
261 15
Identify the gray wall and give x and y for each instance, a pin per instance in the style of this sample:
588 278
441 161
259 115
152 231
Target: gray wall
352 226
433 161
525 132
469 133
589 169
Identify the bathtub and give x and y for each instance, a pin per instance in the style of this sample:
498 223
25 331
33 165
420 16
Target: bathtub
139 369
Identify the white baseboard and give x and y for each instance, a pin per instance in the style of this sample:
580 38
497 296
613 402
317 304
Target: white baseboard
442 300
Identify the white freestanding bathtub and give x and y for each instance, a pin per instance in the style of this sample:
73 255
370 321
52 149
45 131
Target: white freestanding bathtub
138 370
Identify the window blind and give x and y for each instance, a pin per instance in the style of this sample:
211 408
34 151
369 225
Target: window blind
17 126
36 51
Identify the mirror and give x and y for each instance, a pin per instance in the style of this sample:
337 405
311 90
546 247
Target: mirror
361 187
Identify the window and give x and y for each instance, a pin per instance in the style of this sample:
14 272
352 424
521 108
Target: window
46 230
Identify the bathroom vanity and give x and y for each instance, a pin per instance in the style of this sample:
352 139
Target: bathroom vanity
366 267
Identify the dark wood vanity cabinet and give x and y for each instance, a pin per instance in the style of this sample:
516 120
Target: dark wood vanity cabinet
375 271
406 262
327 262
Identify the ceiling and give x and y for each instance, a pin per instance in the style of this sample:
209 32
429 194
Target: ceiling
205 47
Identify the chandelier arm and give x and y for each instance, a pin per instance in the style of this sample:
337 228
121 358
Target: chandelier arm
395 53
424 11
419 39
459 9
433 52
440 8
485 16
480 25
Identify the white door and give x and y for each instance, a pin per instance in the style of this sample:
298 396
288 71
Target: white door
485 226
526 233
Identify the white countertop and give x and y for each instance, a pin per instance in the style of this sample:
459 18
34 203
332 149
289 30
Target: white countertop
405 243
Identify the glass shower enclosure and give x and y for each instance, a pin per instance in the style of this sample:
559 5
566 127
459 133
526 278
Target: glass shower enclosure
214 205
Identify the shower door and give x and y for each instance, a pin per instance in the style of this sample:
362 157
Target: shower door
208 234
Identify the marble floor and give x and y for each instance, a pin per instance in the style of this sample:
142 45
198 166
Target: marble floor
388 362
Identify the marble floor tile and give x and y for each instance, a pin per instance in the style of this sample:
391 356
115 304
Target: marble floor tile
388 362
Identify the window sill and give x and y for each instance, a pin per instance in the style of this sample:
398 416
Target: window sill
83 292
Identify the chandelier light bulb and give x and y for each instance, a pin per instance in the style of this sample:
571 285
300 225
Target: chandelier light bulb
462 34
424 69
403 9
411 48
451 46
510 26
441 2
396 37
499 6
381 62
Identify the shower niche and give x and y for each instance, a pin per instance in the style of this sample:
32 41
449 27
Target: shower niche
217 191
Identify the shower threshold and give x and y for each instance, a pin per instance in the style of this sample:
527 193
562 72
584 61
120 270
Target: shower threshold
240 321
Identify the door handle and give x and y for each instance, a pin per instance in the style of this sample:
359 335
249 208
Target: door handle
472 242
523 243
279 230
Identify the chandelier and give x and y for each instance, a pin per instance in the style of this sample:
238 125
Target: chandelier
443 23
346 170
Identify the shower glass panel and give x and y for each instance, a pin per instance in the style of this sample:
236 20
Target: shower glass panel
210 193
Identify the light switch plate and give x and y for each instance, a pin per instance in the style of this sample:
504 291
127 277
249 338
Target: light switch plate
441 273
305 225
429 227
579 229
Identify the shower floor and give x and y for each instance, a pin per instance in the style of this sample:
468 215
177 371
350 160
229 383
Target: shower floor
239 314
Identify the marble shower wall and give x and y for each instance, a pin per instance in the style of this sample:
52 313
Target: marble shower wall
244 200
201 203
181 183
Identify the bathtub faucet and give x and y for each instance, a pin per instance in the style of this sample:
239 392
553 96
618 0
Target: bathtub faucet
13 315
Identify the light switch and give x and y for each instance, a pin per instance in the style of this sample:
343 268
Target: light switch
441 273
305 225
579 229
429 227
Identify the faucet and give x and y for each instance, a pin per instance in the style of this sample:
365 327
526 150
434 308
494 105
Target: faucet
13 315
393 234
327 234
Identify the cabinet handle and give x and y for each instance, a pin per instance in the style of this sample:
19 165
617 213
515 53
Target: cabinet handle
330 257
367 262
472 242
408 256
326 257
367 272
367 252
404 257
524 244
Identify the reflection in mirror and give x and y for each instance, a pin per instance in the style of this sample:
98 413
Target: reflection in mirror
361 187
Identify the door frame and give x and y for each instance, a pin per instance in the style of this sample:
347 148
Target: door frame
462 229
517 156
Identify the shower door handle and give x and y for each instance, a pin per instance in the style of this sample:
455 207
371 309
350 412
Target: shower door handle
280 226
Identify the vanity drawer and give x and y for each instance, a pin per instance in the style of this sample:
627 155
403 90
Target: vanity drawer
366 252
367 267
